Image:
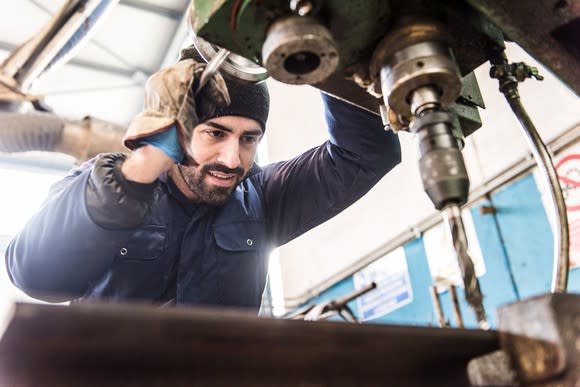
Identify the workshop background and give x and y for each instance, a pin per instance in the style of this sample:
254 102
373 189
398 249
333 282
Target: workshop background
391 236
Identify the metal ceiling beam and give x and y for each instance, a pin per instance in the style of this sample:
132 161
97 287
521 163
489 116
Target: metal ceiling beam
156 9
127 73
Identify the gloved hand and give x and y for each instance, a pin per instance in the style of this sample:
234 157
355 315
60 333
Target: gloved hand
171 108
168 142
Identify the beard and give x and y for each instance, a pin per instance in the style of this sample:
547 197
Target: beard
194 177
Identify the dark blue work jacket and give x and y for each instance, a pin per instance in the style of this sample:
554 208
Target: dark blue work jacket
158 246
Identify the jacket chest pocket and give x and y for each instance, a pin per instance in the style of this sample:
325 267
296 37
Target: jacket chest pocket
242 261
146 244
139 270
244 236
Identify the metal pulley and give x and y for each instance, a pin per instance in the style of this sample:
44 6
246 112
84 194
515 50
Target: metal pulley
234 66
231 65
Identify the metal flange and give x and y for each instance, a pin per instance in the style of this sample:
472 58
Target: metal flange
415 54
299 50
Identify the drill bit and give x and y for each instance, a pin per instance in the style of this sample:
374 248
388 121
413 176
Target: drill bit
452 215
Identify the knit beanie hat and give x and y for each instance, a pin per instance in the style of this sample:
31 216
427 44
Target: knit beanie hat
249 100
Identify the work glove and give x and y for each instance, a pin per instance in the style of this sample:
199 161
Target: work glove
172 108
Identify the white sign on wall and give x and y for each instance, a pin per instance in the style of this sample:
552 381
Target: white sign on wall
393 291
441 255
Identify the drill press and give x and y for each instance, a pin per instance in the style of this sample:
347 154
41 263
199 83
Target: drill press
419 80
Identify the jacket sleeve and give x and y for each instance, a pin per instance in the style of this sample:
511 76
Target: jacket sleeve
303 192
72 240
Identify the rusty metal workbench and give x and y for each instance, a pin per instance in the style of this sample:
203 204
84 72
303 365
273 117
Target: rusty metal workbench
92 344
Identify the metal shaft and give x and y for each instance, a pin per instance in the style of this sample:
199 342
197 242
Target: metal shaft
456 308
341 302
473 295
437 307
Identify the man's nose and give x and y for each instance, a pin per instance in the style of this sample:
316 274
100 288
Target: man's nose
229 155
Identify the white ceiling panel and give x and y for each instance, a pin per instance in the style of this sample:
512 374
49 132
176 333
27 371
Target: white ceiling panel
20 21
74 92
137 36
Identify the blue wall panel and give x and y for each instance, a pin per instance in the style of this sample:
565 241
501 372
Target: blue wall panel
516 244
419 311
526 234
574 281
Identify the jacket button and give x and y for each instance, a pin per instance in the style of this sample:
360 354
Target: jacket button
123 251
249 242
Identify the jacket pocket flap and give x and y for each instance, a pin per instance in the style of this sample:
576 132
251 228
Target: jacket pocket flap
146 244
240 236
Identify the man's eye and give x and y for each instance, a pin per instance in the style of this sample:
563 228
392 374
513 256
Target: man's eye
215 133
249 140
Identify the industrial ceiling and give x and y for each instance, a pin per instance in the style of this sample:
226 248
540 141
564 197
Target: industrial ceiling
106 76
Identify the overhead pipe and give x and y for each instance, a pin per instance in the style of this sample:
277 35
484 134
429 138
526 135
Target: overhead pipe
46 132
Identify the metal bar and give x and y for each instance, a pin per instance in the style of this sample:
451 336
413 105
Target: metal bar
97 43
65 29
17 60
456 308
128 73
437 306
357 293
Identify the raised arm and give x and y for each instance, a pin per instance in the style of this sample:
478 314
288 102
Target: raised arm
303 192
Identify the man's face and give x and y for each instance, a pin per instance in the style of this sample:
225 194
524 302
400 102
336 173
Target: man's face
223 149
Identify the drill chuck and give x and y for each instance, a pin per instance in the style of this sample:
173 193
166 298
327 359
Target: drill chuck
441 164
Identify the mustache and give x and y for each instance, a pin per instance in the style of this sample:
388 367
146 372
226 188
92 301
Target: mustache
222 168
191 162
